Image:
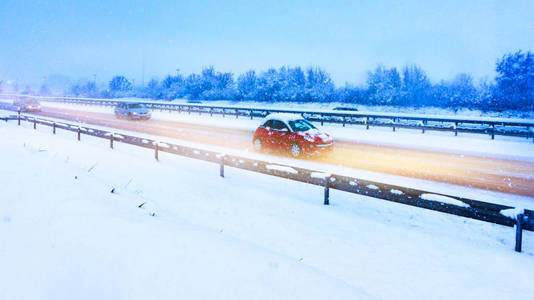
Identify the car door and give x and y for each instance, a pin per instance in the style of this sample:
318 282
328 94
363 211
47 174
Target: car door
280 135
122 109
266 133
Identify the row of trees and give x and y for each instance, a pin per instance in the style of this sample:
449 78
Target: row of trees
513 88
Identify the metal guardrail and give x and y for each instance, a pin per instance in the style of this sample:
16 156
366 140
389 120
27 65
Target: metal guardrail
474 209
487 126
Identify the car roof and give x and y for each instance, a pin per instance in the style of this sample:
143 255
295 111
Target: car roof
28 99
285 117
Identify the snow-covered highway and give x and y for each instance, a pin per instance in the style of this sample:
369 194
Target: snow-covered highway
505 166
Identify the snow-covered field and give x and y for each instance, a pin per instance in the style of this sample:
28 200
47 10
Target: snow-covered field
65 235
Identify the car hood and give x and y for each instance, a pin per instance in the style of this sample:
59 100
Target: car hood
317 136
139 110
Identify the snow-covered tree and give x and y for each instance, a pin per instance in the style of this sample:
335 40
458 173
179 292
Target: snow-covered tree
120 86
319 85
352 94
246 85
384 86
415 88
84 89
457 93
515 80
268 85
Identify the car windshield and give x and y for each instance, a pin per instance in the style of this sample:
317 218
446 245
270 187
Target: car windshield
135 105
301 125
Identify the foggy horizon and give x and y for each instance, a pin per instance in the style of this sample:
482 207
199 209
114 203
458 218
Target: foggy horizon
79 40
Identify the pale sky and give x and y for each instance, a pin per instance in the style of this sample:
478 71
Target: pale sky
346 38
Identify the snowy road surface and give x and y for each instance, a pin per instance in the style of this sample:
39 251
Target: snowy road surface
245 236
506 166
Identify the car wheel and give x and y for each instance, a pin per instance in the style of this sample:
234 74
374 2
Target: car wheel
295 150
258 145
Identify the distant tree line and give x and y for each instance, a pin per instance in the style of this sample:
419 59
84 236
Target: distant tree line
513 87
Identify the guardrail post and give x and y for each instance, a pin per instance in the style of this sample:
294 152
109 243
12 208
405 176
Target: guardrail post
79 133
322 119
367 123
236 113
343 121
393 124
221 168
223 112
111 141
34 123
455 128
423 131
326 190
18 111
493 131
211 112
156 150
519 232
528 130
251 114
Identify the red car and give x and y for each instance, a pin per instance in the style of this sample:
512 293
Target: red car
291 133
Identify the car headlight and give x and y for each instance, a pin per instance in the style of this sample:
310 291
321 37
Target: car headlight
135 113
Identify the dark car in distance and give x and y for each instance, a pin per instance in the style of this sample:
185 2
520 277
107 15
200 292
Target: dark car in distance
132 110
27 104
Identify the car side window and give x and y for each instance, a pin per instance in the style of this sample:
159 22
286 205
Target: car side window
279 125
268 124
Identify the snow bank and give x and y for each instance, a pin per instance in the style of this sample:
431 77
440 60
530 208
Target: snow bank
281 169
444 199
512 212
320 175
